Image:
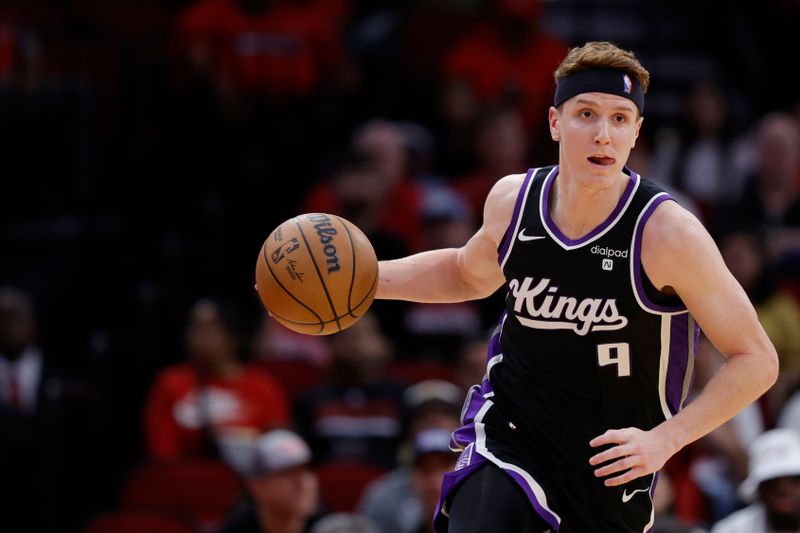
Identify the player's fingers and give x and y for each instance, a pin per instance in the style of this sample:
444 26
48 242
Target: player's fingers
630 475
609 454
612 436
617 466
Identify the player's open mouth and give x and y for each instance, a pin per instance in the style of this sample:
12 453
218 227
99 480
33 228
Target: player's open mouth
601 160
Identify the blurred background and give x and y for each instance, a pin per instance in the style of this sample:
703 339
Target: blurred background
148 148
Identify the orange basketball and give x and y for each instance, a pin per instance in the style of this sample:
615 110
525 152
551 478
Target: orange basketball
317 273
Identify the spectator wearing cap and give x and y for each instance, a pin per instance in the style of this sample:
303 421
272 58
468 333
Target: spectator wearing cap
396 502
282 486
433 458
432 403
772 484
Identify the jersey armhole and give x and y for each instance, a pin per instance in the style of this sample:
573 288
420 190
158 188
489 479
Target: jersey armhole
504 250
647 295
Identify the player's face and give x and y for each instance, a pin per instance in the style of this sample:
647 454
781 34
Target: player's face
781 498
596 132
292 491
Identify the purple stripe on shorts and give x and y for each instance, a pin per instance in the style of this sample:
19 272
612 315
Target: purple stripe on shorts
636 261
453 479
545 212
509 235
546 515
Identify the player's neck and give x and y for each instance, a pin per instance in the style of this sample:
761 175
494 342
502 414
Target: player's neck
576 209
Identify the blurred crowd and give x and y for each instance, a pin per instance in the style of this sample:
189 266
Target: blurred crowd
150 146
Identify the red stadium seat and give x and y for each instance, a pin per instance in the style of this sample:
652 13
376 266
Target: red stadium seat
138 522
201 490
341 484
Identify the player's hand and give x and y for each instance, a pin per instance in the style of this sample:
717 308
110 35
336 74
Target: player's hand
637 453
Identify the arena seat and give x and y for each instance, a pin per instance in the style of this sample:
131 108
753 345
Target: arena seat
200 490
341 484
129 521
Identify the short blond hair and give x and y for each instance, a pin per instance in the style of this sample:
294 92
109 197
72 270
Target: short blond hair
602 54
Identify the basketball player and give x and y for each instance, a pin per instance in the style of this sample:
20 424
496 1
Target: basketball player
608 280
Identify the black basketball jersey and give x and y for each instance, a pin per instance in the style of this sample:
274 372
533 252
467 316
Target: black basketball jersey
586 344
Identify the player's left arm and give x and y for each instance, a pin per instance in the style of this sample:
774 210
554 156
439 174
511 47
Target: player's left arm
679 254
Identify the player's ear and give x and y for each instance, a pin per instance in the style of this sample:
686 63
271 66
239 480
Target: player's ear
553 118
636 132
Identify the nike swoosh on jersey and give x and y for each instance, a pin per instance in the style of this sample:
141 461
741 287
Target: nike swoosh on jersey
627 497
524 237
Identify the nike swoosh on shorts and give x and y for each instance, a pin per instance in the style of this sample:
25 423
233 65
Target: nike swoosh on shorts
627 497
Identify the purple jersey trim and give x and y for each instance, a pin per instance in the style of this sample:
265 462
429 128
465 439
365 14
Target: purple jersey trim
544 212
681 344
508 238
636 260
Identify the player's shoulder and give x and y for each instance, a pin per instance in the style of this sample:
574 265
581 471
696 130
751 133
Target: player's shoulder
507 188
508 184
672 227
501 199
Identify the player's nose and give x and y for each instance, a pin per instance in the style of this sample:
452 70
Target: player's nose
602 134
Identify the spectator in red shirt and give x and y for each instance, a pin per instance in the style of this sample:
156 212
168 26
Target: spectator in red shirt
509 58
213 399
276 50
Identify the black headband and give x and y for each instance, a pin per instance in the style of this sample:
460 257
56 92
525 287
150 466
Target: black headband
597 80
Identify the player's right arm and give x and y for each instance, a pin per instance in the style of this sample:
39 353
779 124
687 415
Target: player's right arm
456 274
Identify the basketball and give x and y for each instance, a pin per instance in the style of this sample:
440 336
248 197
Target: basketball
317 274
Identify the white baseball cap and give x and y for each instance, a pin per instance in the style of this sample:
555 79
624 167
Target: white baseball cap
432 440
774 454
275 450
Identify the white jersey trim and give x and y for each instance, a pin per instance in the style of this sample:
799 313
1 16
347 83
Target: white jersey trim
663 368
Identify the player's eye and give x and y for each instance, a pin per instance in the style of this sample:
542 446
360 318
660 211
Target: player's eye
620 118
586 114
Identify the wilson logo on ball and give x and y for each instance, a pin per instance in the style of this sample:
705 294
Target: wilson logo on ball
326 232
